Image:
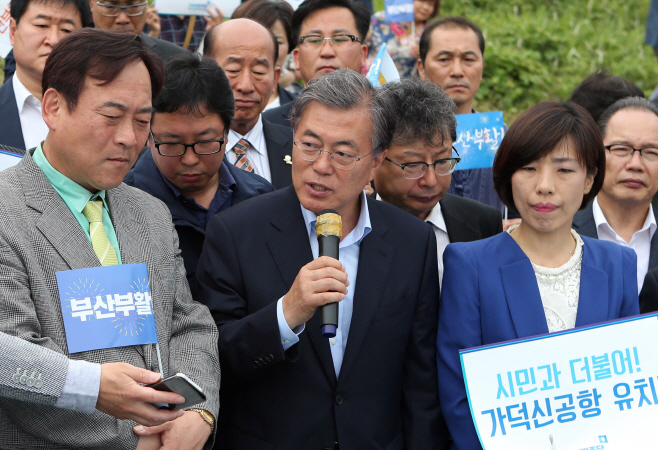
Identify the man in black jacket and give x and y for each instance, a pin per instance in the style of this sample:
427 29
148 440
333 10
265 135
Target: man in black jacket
185 167
415 175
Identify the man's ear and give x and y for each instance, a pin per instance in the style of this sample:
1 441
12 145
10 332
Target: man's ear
52 106
421 69
12 30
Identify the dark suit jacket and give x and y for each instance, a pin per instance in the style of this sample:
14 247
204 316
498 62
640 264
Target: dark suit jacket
279 115
11 132
490 295
10 65
285 96
164 49
469 220
583 223
385 396
279 145
649 294
146 176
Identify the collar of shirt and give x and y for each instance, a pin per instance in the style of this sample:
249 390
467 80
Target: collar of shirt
355 236
23 96
435 217
74 195
602 223
254 137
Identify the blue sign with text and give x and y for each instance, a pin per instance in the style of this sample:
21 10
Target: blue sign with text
106 307
399 11
478 137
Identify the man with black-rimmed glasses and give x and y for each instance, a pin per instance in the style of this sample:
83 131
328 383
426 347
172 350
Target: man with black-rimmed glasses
130 16
185 167
415 176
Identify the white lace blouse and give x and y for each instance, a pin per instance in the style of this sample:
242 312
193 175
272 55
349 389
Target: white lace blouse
559 289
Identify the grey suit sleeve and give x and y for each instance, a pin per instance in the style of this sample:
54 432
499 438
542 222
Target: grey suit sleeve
34 374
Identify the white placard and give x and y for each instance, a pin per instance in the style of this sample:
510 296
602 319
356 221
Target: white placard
589 388
198 7
5 44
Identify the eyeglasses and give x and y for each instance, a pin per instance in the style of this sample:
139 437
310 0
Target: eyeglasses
136 9
316 41
415 170
339 159
649 154
205 147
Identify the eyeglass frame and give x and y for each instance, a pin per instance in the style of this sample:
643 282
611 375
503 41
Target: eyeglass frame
331 156
354 38
403 165
158 144
633 150
121 8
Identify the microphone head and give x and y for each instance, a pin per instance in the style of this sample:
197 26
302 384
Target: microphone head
329 223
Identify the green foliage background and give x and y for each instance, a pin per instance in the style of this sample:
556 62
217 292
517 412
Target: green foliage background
541 49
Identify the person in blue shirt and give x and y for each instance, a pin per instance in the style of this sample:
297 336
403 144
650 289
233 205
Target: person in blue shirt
185 167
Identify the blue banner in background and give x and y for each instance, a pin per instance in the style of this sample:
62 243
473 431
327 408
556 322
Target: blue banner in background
399 11
478 137
106 307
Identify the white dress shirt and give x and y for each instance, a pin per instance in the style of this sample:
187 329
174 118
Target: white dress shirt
640 242
257 154
349 249
435 218
34 128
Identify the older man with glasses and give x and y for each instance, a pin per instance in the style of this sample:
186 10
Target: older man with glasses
130 16
416 173
622 211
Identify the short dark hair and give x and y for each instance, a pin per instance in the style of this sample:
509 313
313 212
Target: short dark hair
267 12
600 90
424 113
358 10
193 83
539 131
18 7
449 23
210 41
99 54
635 103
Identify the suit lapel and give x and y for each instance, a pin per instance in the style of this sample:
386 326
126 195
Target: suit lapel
278 140
593 294
56 222
522 293
653 252
457 222
291 251
583 222
375 259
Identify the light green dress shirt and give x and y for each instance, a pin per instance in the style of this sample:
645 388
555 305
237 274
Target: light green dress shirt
76 198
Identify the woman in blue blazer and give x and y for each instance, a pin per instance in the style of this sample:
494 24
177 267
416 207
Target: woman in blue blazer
539 276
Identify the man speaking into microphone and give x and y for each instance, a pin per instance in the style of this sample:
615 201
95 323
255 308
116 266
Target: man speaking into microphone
284 385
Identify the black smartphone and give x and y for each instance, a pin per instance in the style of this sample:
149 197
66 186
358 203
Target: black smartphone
180 384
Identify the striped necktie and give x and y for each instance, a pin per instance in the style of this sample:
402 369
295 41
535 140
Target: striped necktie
241 161
93 211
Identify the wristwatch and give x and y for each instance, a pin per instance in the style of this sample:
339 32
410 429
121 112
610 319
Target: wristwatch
207 417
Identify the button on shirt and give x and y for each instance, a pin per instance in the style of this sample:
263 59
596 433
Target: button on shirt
640 242
349 249
34 128
220 201
257 154
76 198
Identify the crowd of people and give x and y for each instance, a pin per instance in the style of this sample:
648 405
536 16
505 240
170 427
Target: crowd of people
209 169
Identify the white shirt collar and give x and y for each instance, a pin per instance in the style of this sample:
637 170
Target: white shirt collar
361 230
600 220
435 217
23 95
253 136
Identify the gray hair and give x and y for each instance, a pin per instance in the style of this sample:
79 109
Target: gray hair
636 103
345 89
424 113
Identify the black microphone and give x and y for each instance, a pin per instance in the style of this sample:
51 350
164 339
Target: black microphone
329 229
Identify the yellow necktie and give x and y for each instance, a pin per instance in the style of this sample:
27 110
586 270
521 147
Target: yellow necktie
93 211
